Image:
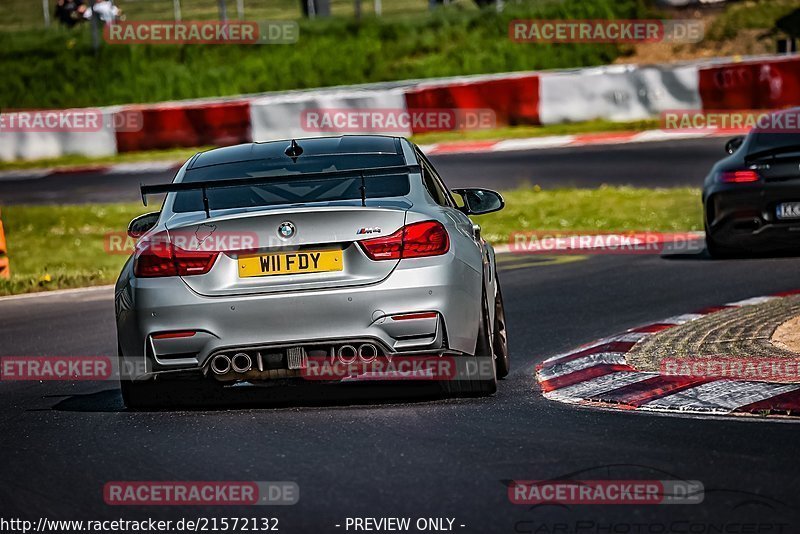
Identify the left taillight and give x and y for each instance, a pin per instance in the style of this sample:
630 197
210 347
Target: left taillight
417 240
738 177
157 257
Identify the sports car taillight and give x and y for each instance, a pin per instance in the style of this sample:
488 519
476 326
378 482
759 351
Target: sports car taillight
738 177
417 240
157 257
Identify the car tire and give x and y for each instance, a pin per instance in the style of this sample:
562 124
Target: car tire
719 252
499 335
164 393
153 394
474 385
136 395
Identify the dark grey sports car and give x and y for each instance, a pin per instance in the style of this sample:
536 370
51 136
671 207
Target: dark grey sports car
751 199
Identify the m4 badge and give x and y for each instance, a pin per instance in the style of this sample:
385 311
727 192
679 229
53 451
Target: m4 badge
373 230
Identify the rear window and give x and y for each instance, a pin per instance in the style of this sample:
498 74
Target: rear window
278 190
773 140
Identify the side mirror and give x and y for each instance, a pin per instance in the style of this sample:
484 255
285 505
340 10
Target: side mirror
733 144
143 224
480 201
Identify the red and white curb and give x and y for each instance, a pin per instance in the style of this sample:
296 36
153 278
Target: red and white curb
566 141
598 374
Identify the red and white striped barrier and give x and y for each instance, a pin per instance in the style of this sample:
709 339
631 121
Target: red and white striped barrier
615 92
190 125
290 115
598 374
514 98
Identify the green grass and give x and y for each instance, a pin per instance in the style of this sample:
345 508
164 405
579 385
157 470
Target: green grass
23 14
57 68
749 15
181 154
605 208
56 247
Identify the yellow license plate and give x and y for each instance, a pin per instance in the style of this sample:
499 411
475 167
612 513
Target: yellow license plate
311 261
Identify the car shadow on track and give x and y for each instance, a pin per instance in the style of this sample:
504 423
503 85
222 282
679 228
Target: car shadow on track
110 400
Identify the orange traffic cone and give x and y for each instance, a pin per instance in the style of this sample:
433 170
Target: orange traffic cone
5 270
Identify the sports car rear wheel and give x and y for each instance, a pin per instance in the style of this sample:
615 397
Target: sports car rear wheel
499 337
135 395
165 392
480 369
717 251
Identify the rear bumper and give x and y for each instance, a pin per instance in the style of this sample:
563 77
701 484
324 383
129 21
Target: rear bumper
744 216
444 285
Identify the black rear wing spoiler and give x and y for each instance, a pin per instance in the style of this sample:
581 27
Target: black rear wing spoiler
239 182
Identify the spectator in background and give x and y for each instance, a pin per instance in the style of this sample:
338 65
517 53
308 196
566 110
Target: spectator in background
69 12
105 10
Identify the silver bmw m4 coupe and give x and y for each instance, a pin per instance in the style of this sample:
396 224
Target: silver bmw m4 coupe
270 261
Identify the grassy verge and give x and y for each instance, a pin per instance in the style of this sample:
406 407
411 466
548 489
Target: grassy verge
515 132
56 247
752 15
58 68
658 210
22 14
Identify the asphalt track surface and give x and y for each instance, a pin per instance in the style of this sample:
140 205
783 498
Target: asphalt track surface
651 164
415 457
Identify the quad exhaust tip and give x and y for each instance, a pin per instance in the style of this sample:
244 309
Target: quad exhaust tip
366 352
221 364
241 362
347 354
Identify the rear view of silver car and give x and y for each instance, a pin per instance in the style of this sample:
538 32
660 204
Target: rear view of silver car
271 260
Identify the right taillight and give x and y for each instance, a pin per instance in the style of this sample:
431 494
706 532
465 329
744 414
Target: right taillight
417 240
738 177
157 257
